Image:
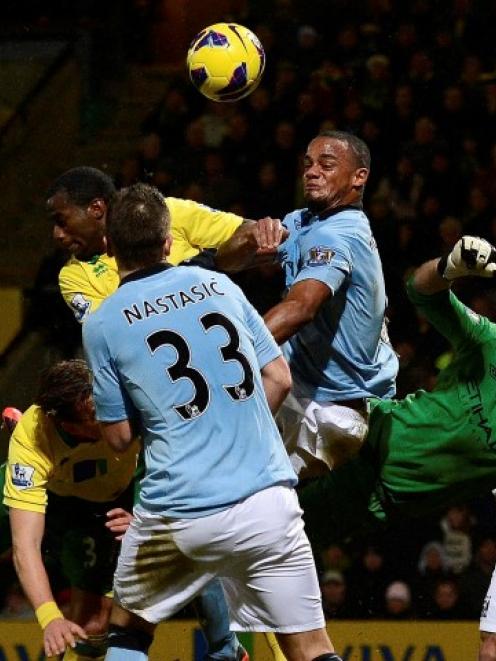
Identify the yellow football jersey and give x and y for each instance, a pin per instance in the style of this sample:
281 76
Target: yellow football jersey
194 227
43 457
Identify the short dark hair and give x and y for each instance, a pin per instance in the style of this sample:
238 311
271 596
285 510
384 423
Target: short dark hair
63 387
137 226
360 150
83 185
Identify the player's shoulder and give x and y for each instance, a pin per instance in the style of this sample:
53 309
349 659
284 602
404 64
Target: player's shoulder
190 272
96 264
294 219
32 427
178 207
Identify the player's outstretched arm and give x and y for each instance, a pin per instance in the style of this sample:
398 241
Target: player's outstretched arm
27 533
471 256
253 243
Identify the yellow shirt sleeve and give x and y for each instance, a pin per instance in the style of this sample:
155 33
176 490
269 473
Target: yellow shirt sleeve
29 465
85 285
195 227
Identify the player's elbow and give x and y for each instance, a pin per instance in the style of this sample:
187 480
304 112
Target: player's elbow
118 435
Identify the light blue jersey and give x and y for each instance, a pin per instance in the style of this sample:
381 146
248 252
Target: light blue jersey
183 348
344 353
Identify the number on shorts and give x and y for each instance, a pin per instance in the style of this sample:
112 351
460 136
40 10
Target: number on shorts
183 369
89 551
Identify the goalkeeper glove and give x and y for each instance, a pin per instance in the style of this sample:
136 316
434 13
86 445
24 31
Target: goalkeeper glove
470 256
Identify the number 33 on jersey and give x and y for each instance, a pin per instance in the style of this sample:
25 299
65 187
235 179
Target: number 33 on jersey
183 348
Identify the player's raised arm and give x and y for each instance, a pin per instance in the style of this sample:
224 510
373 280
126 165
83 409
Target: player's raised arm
253 243
300 306
471 256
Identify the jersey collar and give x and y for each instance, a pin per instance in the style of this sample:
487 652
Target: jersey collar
308 215
71 441
145 272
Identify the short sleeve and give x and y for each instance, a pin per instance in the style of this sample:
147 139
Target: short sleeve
197 227
325 256
27 474
77 292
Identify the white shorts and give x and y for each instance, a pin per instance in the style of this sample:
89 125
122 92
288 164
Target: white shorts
310 429
488 613
258 549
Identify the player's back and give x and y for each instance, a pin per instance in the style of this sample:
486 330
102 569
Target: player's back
189 348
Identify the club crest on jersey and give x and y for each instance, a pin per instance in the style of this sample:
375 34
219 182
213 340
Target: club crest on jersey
22 476
81 306
320 255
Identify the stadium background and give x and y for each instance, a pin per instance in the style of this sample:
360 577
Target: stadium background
104 84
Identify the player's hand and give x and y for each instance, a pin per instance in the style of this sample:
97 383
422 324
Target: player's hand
60 634
118 522
470 256
269 234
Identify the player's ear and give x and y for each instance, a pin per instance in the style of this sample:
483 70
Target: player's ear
98 208
167 245
360 177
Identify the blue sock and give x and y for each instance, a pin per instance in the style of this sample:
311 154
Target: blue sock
213 616
127 644
120 654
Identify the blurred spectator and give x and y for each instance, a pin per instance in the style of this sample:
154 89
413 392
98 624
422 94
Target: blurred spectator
432 568
336 557
377 86
398 602
450 230
16 605
456 527
335 596
271 196
368 580
447 603
475 580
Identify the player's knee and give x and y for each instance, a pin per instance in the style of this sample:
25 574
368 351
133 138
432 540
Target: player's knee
96 626
129 639
487 649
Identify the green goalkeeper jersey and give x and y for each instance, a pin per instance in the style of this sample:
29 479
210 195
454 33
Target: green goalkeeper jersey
432 446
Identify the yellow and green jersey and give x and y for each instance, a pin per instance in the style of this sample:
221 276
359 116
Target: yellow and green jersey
43 457
194 227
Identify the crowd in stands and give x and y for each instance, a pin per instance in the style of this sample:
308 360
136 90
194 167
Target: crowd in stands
416 81
419 86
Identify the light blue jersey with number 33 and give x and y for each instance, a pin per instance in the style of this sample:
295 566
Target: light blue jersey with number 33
182 348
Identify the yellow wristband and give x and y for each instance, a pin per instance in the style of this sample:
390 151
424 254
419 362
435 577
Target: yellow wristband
47 612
